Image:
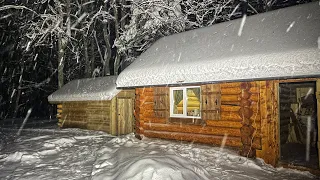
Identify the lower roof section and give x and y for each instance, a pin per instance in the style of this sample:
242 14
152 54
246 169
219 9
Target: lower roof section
91 89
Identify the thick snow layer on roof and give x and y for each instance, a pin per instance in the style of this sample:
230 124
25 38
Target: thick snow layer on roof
101 88
277 44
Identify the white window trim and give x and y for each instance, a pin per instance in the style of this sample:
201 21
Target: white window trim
184 115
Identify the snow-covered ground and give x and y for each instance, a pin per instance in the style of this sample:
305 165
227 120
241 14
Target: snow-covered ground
82 154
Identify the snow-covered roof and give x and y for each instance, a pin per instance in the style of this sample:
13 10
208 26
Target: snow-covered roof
284 43
100 88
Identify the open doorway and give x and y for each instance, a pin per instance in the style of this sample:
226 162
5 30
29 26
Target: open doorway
298 124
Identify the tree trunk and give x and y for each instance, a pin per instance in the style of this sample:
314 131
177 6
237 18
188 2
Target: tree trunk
88 68
107 52
116 26
92 57
62 43
16 106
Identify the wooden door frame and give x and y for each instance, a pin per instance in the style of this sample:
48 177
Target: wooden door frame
317 92
117 114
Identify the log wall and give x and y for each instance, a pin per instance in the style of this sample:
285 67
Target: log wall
94 115
112 116
152 118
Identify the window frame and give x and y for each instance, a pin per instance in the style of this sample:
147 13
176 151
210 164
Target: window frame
184 92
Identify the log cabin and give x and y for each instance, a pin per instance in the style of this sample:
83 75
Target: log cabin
95 104
244 79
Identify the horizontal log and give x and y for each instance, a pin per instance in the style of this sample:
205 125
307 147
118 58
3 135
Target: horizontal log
237 90
235 98
155 120
227 108
234 116
219 123
232 103
230 98
231 90
237 84
192 129
59 106
230 124
208 139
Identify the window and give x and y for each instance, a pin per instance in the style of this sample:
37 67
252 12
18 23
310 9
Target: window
185 102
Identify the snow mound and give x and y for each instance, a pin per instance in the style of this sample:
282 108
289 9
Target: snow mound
155 166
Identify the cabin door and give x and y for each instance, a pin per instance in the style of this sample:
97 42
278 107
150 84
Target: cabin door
125 115
299 123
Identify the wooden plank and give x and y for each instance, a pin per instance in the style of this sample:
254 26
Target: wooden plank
269 122
130 119
113 116
263 113
121 116
211 101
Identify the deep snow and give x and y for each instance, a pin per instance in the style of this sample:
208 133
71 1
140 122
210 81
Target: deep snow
83 154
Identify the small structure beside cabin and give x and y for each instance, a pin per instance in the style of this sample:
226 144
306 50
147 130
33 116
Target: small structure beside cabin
95 104
215 82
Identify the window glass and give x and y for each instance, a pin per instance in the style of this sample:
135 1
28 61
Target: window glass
193 102
178 101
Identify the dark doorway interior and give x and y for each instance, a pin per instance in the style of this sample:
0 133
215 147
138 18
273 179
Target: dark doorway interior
298 124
